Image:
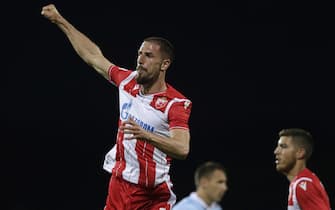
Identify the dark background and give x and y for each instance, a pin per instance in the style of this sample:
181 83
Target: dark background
250 68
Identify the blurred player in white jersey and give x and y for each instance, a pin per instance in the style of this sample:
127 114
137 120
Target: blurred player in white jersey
153 122
306 192
210 179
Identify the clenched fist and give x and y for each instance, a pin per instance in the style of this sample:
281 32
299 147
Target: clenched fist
51 13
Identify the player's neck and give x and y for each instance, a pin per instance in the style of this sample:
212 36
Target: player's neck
295 170
154 88
204 197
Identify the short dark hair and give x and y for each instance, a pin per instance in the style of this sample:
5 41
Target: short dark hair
165 46
206 170
301 138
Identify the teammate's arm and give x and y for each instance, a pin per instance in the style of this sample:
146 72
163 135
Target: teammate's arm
84 47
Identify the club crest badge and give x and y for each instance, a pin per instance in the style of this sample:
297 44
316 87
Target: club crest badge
161 102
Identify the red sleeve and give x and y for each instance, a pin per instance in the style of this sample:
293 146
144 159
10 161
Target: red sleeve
179 114
117 74
309 197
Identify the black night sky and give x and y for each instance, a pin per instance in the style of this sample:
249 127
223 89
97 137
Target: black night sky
250 68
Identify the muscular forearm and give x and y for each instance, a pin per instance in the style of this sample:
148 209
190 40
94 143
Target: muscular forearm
176 145
175 148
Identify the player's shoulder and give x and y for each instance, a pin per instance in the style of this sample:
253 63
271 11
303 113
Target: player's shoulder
174 93
303 183
185 203
306 186
307 176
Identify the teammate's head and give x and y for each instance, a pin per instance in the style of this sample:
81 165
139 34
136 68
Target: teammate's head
294 148
211 181
300 138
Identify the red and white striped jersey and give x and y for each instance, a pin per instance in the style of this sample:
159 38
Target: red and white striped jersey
138 161
306 192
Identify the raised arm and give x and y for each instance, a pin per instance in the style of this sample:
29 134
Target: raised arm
84 47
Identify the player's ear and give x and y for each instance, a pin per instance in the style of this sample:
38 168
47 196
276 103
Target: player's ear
203 182
301 153
165 64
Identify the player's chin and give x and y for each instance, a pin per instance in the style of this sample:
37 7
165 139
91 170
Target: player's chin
279 168
139 79
219 198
